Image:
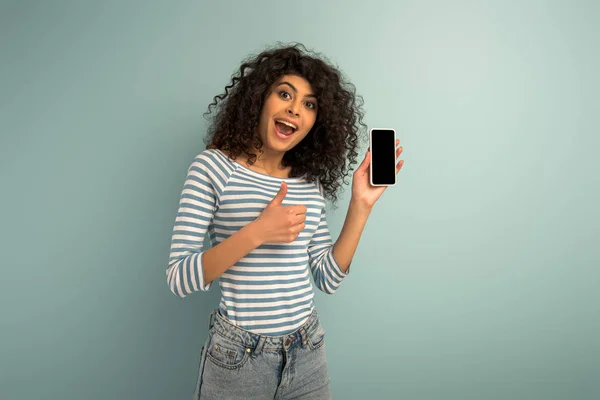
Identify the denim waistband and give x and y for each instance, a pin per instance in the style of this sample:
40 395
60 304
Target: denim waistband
218 323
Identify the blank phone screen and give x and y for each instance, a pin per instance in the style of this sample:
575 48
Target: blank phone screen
383 157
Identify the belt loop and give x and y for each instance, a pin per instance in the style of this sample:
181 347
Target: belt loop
259 345
304 336
211 319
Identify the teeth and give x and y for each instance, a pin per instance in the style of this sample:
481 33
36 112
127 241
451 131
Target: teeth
287 123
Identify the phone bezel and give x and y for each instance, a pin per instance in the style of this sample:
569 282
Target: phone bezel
371 164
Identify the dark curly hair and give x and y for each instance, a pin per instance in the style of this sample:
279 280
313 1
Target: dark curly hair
330 143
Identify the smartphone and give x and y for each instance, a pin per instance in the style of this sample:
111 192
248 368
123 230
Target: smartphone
383 156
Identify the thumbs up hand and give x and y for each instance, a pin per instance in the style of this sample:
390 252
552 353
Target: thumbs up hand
280 224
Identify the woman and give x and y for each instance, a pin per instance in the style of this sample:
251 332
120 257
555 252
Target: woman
276 149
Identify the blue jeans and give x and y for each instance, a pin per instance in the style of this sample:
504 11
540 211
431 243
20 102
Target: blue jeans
238 364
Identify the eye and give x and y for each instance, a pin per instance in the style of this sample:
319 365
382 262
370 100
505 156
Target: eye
311 105
283 93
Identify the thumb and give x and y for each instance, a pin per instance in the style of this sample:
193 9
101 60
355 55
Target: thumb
364 166
279 196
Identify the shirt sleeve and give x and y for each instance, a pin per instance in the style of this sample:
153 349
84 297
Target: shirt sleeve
325 270
197 204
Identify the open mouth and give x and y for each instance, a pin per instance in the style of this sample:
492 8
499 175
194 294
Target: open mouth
285 128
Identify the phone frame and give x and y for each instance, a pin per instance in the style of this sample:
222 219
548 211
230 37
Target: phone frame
371 146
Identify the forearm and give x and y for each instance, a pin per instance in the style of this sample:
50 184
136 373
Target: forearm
220 258
346 244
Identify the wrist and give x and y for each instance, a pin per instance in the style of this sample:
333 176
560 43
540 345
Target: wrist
254 233
360 206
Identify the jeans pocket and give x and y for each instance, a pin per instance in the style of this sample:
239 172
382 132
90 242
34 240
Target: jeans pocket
200 370
316 337
226 353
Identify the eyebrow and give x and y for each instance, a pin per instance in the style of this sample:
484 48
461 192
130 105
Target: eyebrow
296 90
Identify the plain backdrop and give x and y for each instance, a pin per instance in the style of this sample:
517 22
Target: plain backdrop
476 276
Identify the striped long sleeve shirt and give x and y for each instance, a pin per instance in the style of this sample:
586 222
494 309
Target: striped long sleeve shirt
269 290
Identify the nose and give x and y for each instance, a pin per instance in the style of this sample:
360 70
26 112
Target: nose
293 109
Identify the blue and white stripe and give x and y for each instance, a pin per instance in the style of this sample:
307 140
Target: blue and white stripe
269 290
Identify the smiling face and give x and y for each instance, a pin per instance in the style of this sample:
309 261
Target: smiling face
288 114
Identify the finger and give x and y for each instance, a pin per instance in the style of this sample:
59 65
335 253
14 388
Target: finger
278 199
298 209
296 229
399 151
298 219
399 166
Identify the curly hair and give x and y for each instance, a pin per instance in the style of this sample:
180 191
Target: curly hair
333 139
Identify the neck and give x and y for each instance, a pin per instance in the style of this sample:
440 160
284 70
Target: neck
270 162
